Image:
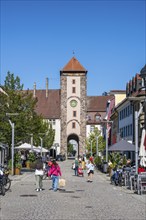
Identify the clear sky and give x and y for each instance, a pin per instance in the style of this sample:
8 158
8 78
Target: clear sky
38 39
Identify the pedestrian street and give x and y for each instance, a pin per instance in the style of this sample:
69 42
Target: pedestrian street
80 200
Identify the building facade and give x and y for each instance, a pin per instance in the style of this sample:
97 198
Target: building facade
71 112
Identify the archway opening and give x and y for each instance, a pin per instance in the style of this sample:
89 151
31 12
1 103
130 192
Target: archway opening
73 145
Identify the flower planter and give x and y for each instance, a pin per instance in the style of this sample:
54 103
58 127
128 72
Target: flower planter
28 164
17 171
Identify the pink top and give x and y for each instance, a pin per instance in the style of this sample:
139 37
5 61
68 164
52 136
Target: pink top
55 170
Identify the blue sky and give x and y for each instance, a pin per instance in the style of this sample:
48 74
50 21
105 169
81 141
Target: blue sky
38 39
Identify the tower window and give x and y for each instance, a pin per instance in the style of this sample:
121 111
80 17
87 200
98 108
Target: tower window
73 125
73 89
73 81
74 114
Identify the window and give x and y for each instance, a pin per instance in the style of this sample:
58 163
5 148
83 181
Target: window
74 114
97 117
73 81
91 128
73 89
73 125
52 121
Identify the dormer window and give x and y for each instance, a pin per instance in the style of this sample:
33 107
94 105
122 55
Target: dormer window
97 117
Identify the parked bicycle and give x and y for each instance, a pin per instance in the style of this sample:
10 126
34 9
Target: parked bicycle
5 180
2 188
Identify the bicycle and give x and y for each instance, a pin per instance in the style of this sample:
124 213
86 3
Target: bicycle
7 181
5 178
2 188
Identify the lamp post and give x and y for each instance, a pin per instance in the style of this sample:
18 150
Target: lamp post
107 130
91 147
13 134
31 140
97 145
41 145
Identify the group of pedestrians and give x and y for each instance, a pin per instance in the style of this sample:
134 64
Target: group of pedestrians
54 172
87 166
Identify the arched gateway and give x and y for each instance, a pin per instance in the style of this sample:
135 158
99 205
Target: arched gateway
73 79
74 140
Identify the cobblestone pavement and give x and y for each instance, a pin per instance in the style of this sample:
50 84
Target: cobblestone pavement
79 200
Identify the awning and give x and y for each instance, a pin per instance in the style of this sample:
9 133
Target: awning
122 146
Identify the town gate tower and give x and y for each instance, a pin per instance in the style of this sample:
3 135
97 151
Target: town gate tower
73 78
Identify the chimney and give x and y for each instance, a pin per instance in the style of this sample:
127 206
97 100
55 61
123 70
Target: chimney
34 90
46 87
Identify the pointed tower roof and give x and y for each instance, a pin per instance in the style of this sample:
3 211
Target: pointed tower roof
73 66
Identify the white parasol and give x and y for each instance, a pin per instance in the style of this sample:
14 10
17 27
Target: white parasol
142 151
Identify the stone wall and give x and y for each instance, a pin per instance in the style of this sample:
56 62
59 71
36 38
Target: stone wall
83 88
63 81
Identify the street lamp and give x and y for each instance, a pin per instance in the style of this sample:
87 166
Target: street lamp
41 145
97 145
107 130
91 146
13 133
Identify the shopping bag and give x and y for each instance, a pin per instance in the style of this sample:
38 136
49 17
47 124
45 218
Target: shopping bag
62 182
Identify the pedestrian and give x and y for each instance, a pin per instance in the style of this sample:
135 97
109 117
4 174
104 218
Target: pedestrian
76 166
55 172
83 165
90 170
39 175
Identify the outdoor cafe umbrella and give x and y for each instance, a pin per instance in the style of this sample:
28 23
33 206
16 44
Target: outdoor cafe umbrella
142 150
122 146
26 146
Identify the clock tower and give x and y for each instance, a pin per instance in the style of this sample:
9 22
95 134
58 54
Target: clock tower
73 106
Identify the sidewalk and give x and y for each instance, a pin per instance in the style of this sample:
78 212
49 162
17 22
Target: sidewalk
79 200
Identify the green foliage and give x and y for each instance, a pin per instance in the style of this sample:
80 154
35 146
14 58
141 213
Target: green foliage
12 83
70 148
92 141
27 121
115 159
98 160
31 157
124 160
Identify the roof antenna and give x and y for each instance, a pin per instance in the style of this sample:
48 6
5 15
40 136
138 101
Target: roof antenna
73 52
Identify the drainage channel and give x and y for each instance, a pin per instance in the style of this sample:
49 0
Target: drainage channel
28 195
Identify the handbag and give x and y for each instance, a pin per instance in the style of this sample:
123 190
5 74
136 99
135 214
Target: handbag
73 166
39 172
62 182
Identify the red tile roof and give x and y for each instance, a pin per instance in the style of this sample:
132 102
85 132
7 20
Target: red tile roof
97 103
48 107
73 65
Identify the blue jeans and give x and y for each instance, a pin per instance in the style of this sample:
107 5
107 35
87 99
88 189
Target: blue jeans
55 180
76 171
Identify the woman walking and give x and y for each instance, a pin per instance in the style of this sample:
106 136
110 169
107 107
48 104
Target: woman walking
90 170
39 175
55 172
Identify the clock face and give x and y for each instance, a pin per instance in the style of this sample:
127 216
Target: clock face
73 103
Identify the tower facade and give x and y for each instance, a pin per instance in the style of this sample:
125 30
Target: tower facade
73 79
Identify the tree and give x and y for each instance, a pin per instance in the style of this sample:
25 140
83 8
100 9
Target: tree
92 138
27 122
70 148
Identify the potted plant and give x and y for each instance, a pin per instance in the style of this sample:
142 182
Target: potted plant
17 163
18 167
31 159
